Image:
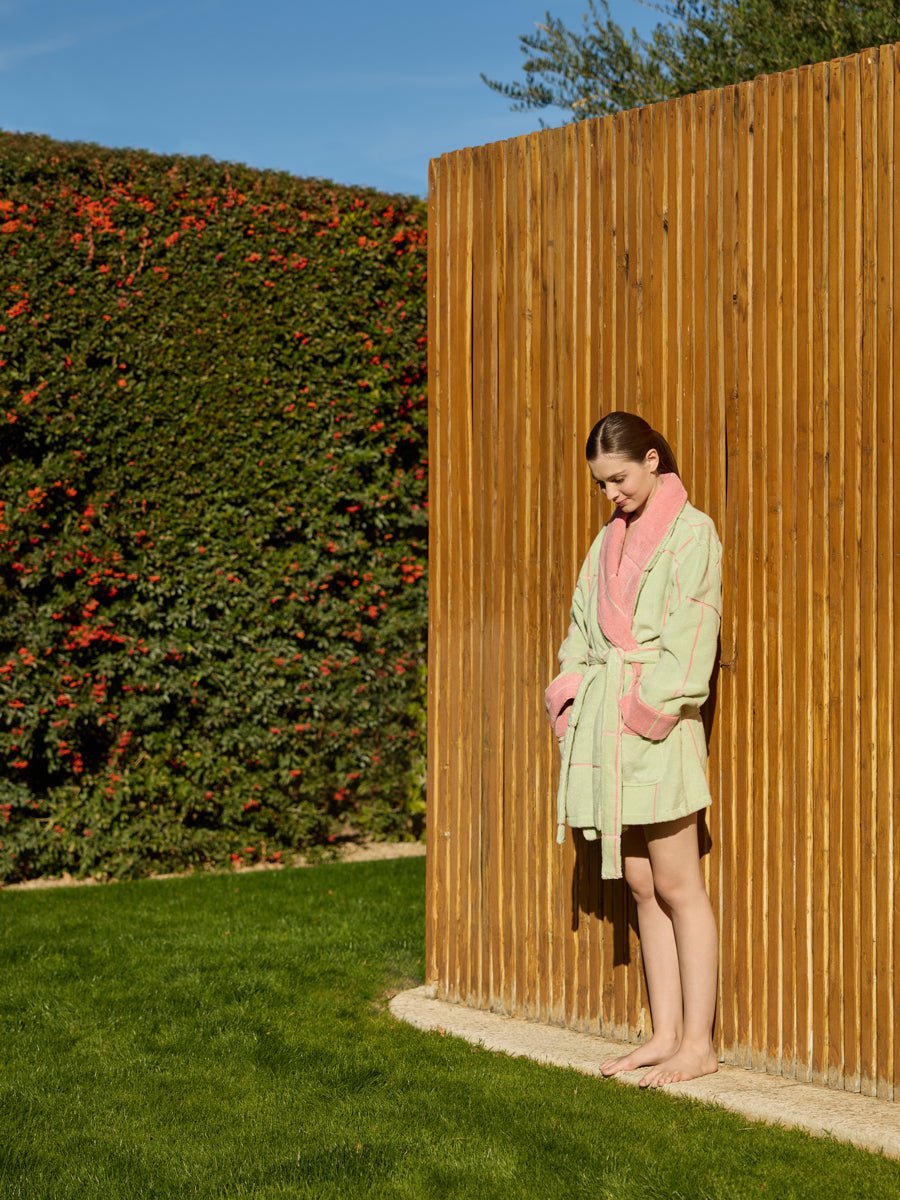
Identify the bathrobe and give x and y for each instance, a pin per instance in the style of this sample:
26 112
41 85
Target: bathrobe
634 669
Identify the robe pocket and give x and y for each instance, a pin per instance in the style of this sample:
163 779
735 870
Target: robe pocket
642 759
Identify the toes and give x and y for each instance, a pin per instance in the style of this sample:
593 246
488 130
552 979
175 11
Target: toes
612 1066
658 1078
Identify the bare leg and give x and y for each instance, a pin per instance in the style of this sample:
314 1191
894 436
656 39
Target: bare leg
660 958
675 860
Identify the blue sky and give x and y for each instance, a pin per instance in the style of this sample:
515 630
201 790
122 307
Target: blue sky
348 90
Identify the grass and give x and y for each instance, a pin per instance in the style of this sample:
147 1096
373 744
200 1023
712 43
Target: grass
227 1036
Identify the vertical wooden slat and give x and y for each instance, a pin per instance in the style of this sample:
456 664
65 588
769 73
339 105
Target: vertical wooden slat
495 617
457 346
435 864
792 508
507 919
478 580
835 542
727 265
461 828
532 771
813 347
782 633
852 537
500 613
533 643
537 780
890 835
869 476
884 200
455 353
541 503
743 534
755 510
457 881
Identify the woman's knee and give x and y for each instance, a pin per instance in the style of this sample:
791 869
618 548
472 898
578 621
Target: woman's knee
639 877
679 890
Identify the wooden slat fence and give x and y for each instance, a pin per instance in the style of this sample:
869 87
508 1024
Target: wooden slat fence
728 265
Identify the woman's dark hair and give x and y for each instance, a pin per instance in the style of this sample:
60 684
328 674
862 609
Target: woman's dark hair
629 435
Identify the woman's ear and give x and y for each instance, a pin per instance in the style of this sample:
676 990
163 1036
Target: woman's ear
651 459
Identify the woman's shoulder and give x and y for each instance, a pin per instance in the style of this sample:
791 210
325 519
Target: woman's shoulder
697 527
589 563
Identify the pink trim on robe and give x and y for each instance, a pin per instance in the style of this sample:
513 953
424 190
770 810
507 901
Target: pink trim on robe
621 572
558 700
645 720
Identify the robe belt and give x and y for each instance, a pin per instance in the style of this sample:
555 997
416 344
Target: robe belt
610 666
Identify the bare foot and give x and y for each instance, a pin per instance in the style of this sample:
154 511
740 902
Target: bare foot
686 1063
656 1050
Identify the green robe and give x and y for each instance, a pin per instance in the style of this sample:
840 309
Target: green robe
634 669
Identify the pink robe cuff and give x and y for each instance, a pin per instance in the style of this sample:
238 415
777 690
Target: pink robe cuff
558 699
647 721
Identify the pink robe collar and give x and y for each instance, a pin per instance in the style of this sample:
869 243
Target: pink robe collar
620 574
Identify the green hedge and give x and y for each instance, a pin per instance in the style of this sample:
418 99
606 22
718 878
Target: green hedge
213 525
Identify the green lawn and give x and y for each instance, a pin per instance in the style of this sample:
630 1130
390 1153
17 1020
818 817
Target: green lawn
227 1036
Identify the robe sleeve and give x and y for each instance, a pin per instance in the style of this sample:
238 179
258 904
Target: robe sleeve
687 644
573 661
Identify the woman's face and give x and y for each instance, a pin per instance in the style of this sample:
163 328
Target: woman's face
628 484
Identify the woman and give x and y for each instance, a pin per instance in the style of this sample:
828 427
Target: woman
634 669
